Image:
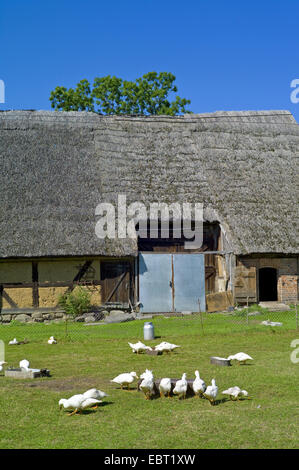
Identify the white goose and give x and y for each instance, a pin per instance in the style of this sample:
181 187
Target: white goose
52 340
147 384
180 388
14 341
240 357
165 387
165 346
235 392
199 386
24 364
94 393
211 392
139 347
2 364
125 379
78 403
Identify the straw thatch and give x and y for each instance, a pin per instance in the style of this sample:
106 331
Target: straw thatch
56 167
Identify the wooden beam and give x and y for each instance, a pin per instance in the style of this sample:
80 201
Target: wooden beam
9 299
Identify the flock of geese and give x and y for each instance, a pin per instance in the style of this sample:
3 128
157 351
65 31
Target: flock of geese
198 386
14 341
162 347
93 397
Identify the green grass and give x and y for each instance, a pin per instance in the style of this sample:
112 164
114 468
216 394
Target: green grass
92 355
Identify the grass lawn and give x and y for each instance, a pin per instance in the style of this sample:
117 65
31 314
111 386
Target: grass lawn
30 416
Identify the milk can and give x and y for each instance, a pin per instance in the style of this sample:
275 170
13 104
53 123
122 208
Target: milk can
148 330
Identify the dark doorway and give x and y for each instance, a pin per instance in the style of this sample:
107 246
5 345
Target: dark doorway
267 284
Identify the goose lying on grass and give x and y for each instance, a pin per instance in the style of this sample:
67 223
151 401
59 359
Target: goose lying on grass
180 388
139 347
52 340
124 380
78 403
211 392
165 387
199 386
235 392
13 341
147 384
240 357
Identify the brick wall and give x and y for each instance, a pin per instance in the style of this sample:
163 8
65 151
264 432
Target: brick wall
287 288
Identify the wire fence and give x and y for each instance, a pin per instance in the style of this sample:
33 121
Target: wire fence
40 328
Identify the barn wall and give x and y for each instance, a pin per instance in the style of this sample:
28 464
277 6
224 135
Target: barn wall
287 269
50 271
11 272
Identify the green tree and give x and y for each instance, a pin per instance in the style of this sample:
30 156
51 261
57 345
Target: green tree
112 95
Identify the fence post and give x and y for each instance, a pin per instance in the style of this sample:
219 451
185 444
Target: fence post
247 318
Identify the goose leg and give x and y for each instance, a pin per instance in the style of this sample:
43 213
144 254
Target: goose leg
73 412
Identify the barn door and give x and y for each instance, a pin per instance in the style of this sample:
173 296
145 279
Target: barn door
171 283
155 282
245 284
116 281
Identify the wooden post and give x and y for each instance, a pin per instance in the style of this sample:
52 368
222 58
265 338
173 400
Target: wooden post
247 318
200 313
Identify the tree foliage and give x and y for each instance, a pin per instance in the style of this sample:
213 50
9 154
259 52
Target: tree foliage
112 95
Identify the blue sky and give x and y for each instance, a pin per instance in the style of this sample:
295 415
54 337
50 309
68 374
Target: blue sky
226 55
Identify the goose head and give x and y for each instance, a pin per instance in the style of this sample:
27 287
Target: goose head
134 374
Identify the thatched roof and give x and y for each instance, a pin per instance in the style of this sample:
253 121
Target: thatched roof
57 166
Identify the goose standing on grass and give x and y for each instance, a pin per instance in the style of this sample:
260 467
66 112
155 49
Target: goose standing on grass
235 392
52 340
240 357
165 346
199 386
139 347
125 379
180 388
94 393
1 365
147 385
165 387
14 341
78 403
24 364
211 392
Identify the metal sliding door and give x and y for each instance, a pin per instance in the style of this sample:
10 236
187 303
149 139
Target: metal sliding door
155 292
189 282
170 282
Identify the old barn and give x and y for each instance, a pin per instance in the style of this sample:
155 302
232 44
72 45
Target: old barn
56 167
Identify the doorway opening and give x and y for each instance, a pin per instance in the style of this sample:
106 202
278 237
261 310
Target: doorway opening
268 284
